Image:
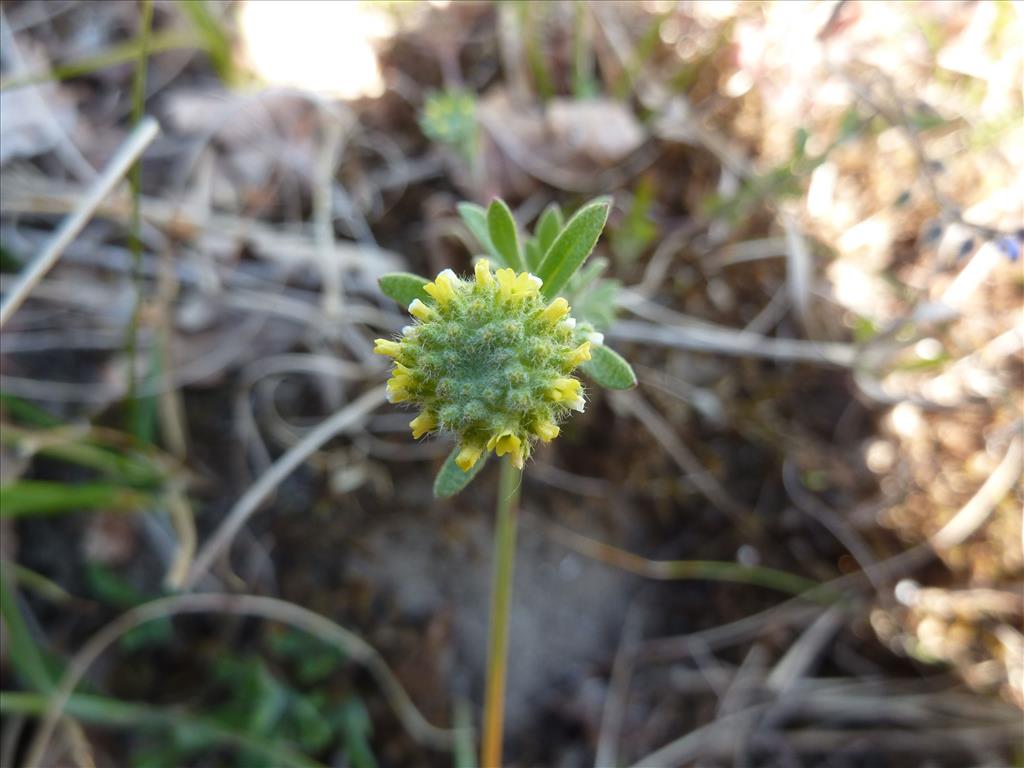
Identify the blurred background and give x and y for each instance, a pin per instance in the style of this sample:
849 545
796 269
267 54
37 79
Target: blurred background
813 263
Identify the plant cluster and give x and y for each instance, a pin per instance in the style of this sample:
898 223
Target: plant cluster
491 359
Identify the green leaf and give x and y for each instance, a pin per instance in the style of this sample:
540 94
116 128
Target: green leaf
128 467
403 287
21 647
357 729
27 413
135 716
533 254
502 229
607 368
549 225
475 219
572 246
111 56
586 278
106 586
451 479
34 498
597 305
215 37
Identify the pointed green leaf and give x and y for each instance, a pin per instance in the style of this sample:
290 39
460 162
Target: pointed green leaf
596 305
608 369
502 229
549 225
24 654
533 253
37 498
451 479
586 277
403 287
475 219
572 246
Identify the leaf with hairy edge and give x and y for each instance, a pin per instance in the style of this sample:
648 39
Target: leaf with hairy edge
572 246
533 254
548 227
608 369
403 287
451 479
475 219
502 229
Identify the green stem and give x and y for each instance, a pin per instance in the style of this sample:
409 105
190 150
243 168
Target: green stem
135 237
501 599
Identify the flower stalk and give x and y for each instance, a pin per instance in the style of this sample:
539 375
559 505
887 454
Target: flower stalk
491 359
501 601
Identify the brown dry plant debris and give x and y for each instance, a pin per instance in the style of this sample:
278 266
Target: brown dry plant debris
816 235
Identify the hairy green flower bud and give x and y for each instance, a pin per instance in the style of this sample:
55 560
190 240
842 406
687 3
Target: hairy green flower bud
489 361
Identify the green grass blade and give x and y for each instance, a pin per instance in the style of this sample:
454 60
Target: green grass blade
26 412
40 498
25 657
36 582
216 39
136 414
134 469
113 56
103 711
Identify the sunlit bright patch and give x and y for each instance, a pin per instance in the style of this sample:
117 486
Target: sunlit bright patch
315 45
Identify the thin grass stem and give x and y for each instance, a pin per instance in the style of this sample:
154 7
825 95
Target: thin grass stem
84 208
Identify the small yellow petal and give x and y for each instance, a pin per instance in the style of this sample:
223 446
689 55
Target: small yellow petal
507 443
422 424
546 431
440 292
506 283
385 347
527 284
397 392
420 311
579 355
517 459
564 389
443 287
483 272
555 311
468 456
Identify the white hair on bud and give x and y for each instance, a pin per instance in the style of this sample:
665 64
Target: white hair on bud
596 338
536 280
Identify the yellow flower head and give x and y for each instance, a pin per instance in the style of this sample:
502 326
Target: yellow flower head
489 360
